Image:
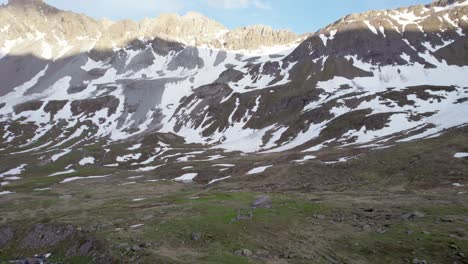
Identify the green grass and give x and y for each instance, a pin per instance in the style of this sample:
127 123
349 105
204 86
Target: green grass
428 241
213 216
29 183
278 229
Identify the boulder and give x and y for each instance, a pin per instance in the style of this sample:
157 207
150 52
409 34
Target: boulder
262 202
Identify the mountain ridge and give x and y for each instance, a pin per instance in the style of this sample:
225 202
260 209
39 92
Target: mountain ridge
349 146
192 29
370 81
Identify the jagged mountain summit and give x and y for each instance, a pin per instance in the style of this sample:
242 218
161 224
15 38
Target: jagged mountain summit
50 33
367 80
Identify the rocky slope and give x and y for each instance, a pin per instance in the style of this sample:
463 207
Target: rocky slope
368 80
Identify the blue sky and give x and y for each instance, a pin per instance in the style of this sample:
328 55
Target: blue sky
298 15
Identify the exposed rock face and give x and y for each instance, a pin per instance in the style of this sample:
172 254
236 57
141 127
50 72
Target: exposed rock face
76 33
257 36
195 29
192 29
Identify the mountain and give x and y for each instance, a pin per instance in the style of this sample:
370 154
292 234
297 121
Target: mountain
368 80
177 140
28 24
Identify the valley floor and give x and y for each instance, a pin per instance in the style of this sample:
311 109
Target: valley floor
166 222
403 204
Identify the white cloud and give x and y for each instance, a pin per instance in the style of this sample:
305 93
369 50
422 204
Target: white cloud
238 4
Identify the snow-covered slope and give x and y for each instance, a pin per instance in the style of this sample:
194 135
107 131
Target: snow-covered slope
370 79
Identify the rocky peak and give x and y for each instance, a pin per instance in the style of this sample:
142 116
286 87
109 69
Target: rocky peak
439 28
446 2
438 16
192 28
253 37
82 33
196 29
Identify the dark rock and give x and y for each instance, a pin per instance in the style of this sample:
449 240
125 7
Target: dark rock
412 216
454 247
97 72
446 220
244 252
380 231
6 235
28 106
164 47
76 88
338 218
82 249
188 58
262 202
460 232
247 252
230 75
319 217
29 261
136 248
146 245
54 106
42 235
417 261
262 253
196 236
121 245
91 106
288 254
409 232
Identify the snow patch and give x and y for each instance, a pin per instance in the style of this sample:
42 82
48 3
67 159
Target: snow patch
135 147
63 173
145 169
15 171
188 177
220 179
305 158
84 178
460 155
129 157
86 161
258 170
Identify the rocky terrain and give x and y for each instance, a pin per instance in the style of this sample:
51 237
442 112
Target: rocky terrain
130 142
26 28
